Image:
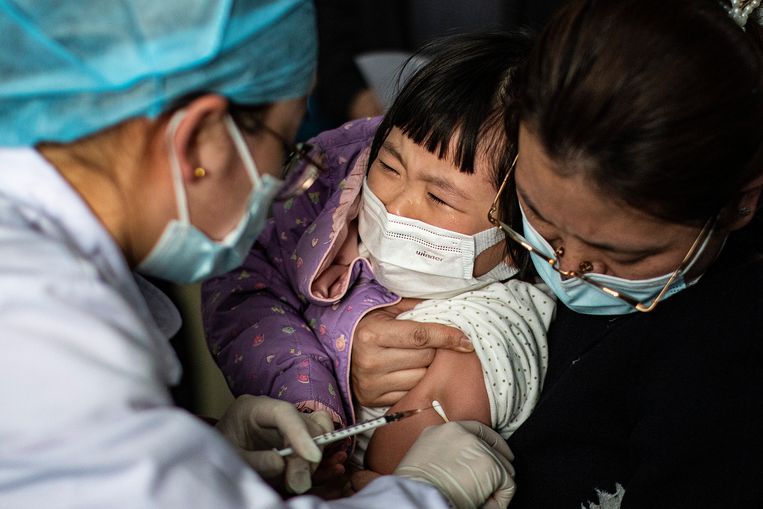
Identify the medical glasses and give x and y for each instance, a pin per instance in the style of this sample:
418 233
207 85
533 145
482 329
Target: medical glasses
554 261
298 154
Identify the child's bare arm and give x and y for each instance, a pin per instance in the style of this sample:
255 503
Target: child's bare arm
456 381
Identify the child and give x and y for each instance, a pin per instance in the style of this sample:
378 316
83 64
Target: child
412 223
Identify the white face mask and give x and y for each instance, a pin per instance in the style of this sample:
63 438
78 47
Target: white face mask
184 254
415 259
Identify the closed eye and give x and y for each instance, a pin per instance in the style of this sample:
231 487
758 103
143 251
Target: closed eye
384 166
632 260
437 200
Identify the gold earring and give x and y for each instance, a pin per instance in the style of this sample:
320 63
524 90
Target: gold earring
559 252
585 266
199 172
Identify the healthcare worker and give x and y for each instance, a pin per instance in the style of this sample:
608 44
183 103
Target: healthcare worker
148 136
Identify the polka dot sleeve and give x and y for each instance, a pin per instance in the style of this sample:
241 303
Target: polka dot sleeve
507 323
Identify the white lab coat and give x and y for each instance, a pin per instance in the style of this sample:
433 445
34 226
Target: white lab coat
87 420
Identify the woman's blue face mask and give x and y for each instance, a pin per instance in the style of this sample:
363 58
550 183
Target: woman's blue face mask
184 254
586 298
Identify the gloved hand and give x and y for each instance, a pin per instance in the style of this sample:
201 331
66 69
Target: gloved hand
258 424
468 462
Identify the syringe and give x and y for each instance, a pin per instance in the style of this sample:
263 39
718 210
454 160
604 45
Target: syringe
336 435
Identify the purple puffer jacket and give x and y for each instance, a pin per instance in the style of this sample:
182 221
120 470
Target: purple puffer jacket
282 324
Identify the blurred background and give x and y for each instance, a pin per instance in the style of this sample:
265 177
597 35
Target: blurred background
202 390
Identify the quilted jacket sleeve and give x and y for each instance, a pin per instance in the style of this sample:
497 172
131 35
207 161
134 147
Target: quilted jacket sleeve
255 317
260 340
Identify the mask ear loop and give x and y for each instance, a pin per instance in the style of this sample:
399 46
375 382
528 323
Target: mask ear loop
177 175
243 151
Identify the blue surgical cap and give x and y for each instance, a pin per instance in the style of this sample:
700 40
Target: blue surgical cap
69 68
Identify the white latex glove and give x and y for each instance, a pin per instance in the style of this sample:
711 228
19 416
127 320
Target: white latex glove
468 462
258 424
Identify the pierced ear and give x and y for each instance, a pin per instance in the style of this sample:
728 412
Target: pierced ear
198 116
743 209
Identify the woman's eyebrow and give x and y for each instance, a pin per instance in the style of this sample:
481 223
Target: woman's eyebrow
640 251
530 205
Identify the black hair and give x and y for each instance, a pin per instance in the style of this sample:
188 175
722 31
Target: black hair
464 94
461 92
658 103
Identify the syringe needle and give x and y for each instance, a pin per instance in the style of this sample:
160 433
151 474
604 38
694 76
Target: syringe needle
360 427
405 413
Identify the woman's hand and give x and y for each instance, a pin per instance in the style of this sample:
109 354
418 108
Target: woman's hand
469 463
258 424
390 356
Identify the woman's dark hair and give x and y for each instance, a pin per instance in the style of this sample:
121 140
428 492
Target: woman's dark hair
658 103
464 94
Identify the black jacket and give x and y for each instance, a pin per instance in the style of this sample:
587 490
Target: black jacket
668 404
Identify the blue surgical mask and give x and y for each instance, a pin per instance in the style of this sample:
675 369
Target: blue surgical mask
184 254
589 300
